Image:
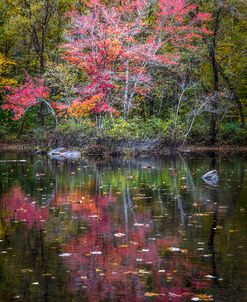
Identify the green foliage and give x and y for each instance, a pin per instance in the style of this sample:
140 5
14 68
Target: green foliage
119 129
232 132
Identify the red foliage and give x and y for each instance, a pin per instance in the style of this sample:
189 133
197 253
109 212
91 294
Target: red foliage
106 43
94 104
25 96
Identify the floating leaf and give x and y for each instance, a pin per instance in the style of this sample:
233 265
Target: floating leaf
65 254
96 253
119 235
173 249
210 277
151 294
202 297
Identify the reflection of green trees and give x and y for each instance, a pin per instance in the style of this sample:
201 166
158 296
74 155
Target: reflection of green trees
34 175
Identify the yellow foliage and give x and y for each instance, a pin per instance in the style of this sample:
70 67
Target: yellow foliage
6 66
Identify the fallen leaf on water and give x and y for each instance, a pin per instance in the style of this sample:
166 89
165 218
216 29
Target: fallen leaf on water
219 227
46 274
141 271
210 277
203 214
145 250
119 235
174 295
176 249
233 231
150 294
139 224
96 253
203 297
65 254
26 270
173 249
130 272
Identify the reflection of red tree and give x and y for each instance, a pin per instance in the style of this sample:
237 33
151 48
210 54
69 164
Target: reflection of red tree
110 262
82 203
21 208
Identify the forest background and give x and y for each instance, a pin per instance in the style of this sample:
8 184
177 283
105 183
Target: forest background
111 74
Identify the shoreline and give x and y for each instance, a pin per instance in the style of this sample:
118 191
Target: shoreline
25 147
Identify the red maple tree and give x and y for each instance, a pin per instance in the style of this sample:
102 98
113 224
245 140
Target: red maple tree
25 96
117 45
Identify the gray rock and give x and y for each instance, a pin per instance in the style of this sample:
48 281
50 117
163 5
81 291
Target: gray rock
71 154
62 153
211 178
57 151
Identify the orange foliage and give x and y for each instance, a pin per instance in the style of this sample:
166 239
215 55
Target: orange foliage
84 109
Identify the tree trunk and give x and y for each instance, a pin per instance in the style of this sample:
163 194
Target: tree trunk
215 73
23 123
42 114
235 96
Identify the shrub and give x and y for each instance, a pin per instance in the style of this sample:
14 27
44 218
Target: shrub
232 132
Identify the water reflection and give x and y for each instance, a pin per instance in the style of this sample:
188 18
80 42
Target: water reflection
122 230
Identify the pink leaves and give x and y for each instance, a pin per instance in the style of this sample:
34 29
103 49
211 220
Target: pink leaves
104 107
106 43
25 96
176 24
203 17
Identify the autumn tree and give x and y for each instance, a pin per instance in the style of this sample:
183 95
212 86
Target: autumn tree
28 95
118 46
30 32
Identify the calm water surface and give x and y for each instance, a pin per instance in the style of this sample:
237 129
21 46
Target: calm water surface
122 229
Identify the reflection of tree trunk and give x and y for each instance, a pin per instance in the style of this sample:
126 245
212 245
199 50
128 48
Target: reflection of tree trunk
213 161
211 242
125 199
215 200
179 200
44 269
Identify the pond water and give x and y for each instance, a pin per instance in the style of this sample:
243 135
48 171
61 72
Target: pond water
122 229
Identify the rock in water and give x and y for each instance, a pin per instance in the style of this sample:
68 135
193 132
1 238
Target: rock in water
71 154
57 151
62 153
211 178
